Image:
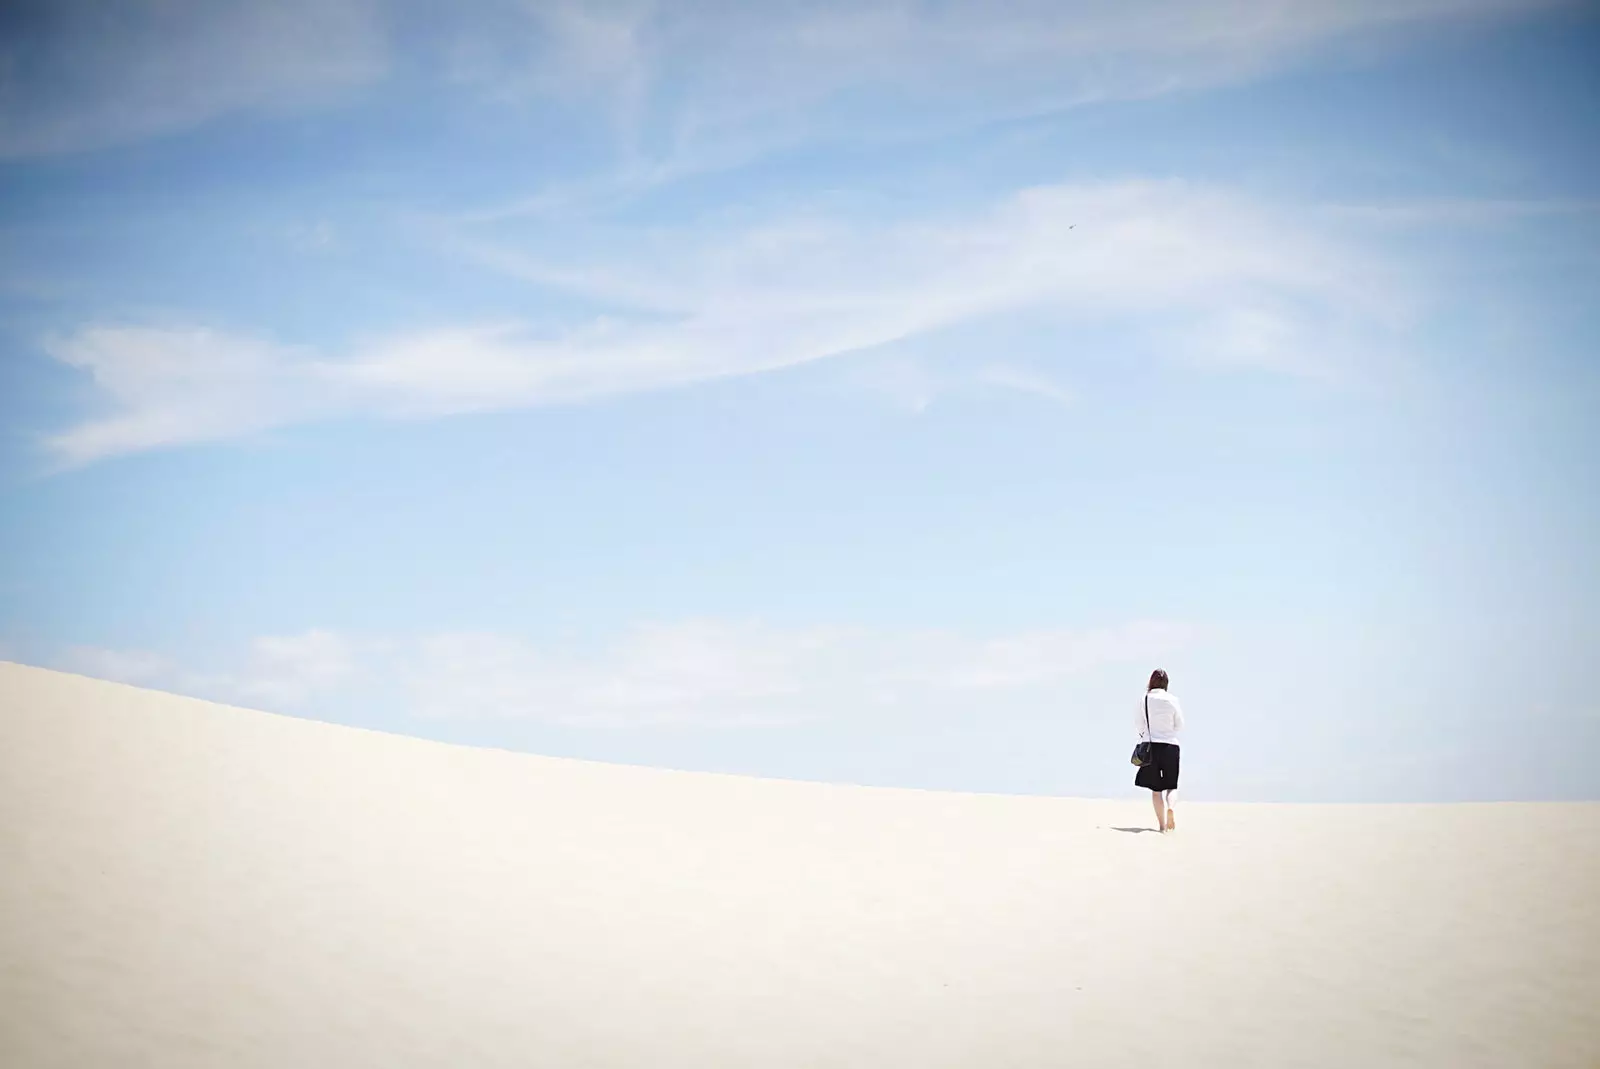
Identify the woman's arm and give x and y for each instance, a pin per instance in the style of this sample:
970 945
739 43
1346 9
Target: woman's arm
1177 714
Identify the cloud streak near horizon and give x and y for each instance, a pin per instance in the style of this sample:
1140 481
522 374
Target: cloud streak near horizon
693 672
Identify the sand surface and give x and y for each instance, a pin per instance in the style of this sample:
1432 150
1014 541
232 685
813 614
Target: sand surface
187 884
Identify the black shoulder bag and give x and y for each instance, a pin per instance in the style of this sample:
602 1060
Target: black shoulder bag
1141 751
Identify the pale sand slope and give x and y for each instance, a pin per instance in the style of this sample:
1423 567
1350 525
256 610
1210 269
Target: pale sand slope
186 884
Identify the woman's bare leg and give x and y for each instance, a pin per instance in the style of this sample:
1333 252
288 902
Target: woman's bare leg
1161 810
1172 817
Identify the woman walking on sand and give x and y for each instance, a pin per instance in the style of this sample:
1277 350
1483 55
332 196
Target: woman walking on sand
1160 721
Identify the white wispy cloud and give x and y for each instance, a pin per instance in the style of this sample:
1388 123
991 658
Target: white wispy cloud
914 384
1026 380
696 87
1257 282
138 667
77 76
274 671
687 85
689 672
288 669
170 385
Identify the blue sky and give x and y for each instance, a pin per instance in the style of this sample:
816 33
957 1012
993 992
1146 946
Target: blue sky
868 392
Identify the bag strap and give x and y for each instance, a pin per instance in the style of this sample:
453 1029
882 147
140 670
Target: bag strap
1147 731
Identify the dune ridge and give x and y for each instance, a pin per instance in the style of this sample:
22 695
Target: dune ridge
188 884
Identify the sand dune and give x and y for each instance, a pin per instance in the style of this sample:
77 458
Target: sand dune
187 884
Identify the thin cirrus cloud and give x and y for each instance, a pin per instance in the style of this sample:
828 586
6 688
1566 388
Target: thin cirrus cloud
1259 285
914 385
685 84
703 672
691 87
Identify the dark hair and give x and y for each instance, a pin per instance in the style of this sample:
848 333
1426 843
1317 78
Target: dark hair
1158 680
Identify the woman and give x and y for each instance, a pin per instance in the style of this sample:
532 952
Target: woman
1160 720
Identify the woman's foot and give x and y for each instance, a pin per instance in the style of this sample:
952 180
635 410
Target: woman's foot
1172 822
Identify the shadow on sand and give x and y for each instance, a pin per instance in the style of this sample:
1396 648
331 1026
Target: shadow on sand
1136 831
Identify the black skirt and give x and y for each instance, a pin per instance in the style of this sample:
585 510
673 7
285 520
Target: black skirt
1161 774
